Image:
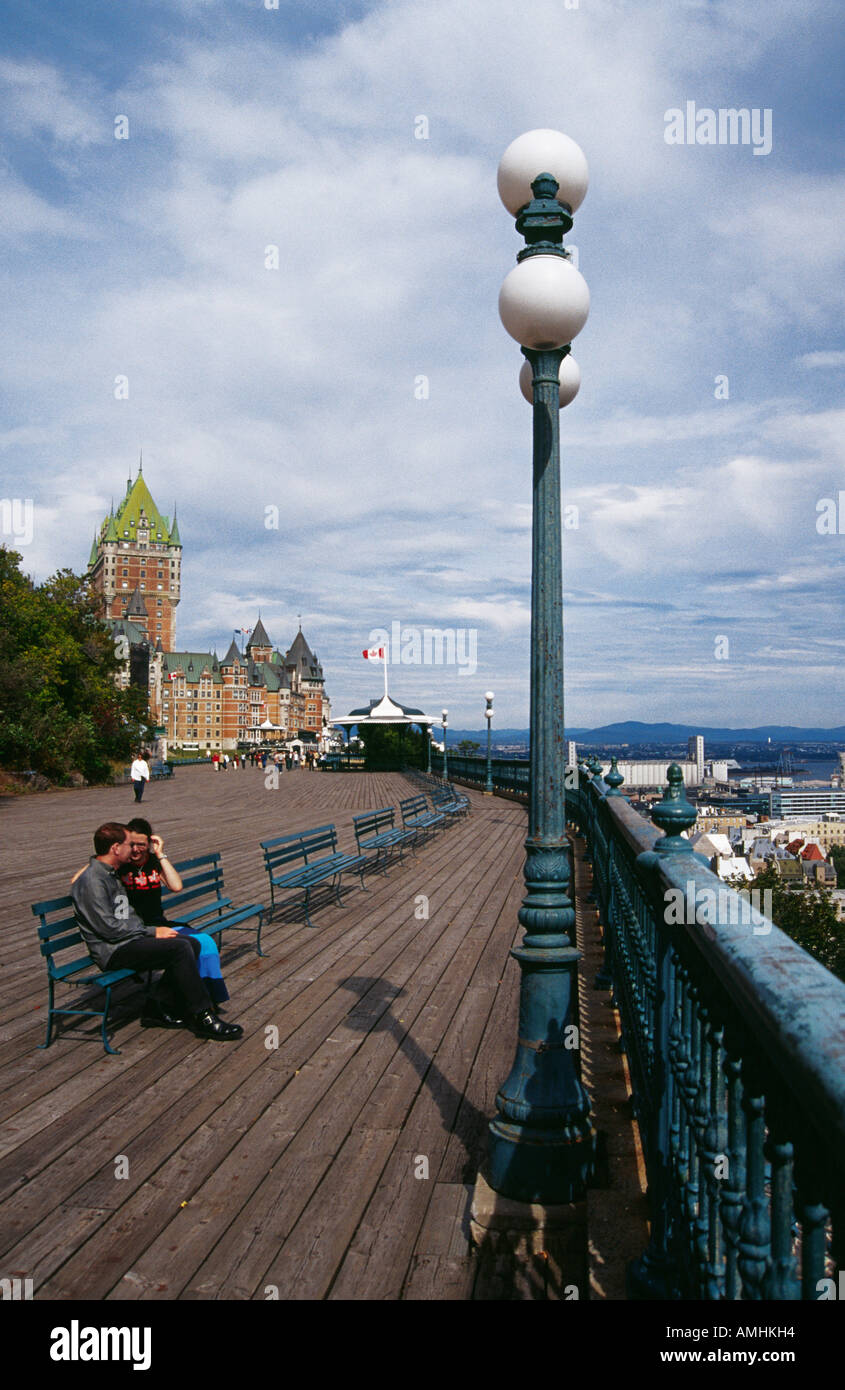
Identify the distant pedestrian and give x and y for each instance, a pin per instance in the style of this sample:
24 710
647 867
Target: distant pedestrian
215 758
139 775
225 762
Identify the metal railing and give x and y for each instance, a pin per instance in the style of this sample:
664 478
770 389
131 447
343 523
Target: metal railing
510 775
735 1038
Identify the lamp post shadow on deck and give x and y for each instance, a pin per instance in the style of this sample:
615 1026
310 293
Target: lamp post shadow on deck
541 1143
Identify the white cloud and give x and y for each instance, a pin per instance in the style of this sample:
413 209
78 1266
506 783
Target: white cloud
252 387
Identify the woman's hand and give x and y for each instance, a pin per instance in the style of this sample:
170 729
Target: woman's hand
157 845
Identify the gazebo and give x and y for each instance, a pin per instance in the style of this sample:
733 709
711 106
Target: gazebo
386 711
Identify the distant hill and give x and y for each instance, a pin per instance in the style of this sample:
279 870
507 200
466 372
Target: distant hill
634 732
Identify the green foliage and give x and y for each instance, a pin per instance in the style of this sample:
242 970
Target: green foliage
809 917
837 859
60 711
391 747
467 746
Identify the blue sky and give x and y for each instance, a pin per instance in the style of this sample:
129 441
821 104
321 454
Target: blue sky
252 388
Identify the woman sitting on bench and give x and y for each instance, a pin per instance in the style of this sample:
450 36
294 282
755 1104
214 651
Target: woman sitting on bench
144 876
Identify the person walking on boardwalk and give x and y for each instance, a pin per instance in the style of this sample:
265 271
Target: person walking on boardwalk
117 939
139 775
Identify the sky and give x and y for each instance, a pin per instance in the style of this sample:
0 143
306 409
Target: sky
281 227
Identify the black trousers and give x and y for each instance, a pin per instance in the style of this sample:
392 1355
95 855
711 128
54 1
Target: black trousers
139 788
177 957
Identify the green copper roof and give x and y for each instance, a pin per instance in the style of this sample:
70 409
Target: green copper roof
191 665
92 558
137 500
175 538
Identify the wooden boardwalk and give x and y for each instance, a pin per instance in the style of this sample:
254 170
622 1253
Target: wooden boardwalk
251 1170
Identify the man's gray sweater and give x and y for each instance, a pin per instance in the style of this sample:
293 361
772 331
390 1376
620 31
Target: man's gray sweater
106 920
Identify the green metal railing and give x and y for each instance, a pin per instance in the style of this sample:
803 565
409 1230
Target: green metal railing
735 1039
510 775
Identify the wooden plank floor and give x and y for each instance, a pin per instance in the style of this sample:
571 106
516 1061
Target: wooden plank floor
253 1170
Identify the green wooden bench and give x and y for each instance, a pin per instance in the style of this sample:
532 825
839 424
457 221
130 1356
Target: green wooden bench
376 830
417 816
212 912
313 865
69 963
447 800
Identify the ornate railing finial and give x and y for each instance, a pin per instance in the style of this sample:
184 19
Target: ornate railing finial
673 814
614 778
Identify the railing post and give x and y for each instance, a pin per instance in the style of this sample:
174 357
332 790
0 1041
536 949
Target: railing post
669 1142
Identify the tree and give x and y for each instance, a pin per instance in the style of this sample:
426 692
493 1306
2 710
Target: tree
837 859
389 746
809 917
467 746
61 709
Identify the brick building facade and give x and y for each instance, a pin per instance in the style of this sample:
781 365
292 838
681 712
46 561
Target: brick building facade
201 702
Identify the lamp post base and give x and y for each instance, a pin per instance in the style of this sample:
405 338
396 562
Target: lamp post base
540 1166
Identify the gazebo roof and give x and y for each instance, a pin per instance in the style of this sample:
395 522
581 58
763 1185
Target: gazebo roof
385 711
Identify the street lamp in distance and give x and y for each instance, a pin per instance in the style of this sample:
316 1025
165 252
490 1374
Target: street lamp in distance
445 764
488 714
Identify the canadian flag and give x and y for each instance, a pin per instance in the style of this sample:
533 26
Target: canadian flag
174 675
374 654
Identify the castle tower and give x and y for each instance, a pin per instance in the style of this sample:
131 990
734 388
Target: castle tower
259 647
136 564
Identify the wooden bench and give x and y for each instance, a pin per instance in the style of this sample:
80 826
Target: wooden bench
314 867
59 933
417 816
212 912
376 830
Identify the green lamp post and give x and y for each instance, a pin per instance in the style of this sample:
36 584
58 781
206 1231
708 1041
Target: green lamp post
445 719
488 715
542 1144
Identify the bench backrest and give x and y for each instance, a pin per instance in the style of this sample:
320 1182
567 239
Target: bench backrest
201 878
413 806
373 822
305 845
60 934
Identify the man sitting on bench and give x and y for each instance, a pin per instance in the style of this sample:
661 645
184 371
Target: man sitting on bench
118 940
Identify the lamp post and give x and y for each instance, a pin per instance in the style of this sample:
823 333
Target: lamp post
488 714
542 1144
445 765
428 741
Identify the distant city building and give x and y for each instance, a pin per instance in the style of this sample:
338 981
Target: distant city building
790 802
653 774
695 752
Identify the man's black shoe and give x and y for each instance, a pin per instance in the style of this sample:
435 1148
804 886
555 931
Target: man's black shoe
154 1016
208 1026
